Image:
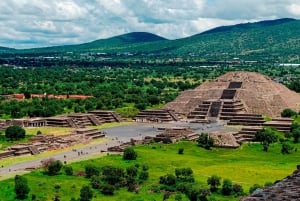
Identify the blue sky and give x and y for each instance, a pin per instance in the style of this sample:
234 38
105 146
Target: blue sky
40 23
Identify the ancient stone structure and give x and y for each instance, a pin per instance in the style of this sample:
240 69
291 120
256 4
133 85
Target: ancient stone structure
156 115
107 116
233 95
171 135
286 189
40 143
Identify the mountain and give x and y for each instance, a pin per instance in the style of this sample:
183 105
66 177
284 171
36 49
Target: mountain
272 40
113 43
6 49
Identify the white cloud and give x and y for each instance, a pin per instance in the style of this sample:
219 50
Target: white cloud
35 23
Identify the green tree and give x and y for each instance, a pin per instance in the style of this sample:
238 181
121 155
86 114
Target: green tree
54 167
129 154
91 170
86 193
288 113
286 148
214 181
296 135
15 133
266 137
21 187
227 187
205 141
68 170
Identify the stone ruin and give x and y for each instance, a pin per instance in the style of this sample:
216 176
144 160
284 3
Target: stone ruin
156 115
287 189
168 135
75 120
40 143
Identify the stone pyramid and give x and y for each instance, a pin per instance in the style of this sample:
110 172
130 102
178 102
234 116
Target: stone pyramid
257 93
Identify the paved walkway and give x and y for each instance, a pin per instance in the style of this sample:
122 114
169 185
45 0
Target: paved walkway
115 136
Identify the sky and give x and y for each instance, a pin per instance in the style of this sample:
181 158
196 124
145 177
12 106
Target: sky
41 23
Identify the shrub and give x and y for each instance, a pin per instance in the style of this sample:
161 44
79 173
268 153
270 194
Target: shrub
54 167
39 132
15 133
129 154
296 135
144 175
21 187
91 170
286 148
68 170
254 187
288 113
169 180
227 187
214 181
237 189
180 150
132 171
107 189
96 182
86 193
205 141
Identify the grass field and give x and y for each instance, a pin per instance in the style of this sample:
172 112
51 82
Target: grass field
246 166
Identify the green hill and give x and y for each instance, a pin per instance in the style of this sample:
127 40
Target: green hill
266 40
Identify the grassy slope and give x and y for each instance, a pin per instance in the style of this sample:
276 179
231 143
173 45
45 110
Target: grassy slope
246 166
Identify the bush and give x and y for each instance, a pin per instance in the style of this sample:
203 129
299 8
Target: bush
129 154
96 182
254 187
54 167
91 170
237 190
132 171
144 175
214 181
286 148
227 187
180 150
169 180
21 187
15 133
288 113
107 189
205 141
296 135
86 193
68 170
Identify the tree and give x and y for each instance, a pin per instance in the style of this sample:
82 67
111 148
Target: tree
15 133
237 190
288 113
54 167
227 187
107 189
266 137
21 187
286 148
296 135
129 154
68 170
205 141
169 180
91 170
214 181
86 193
254 187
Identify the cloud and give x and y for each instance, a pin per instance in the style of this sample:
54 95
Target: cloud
36 23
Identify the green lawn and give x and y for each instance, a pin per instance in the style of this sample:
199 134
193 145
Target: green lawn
246 166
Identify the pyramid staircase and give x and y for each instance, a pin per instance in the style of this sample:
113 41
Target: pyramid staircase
107 116
281 124
246 134
156 115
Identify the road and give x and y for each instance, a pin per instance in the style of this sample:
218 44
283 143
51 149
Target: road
115 136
